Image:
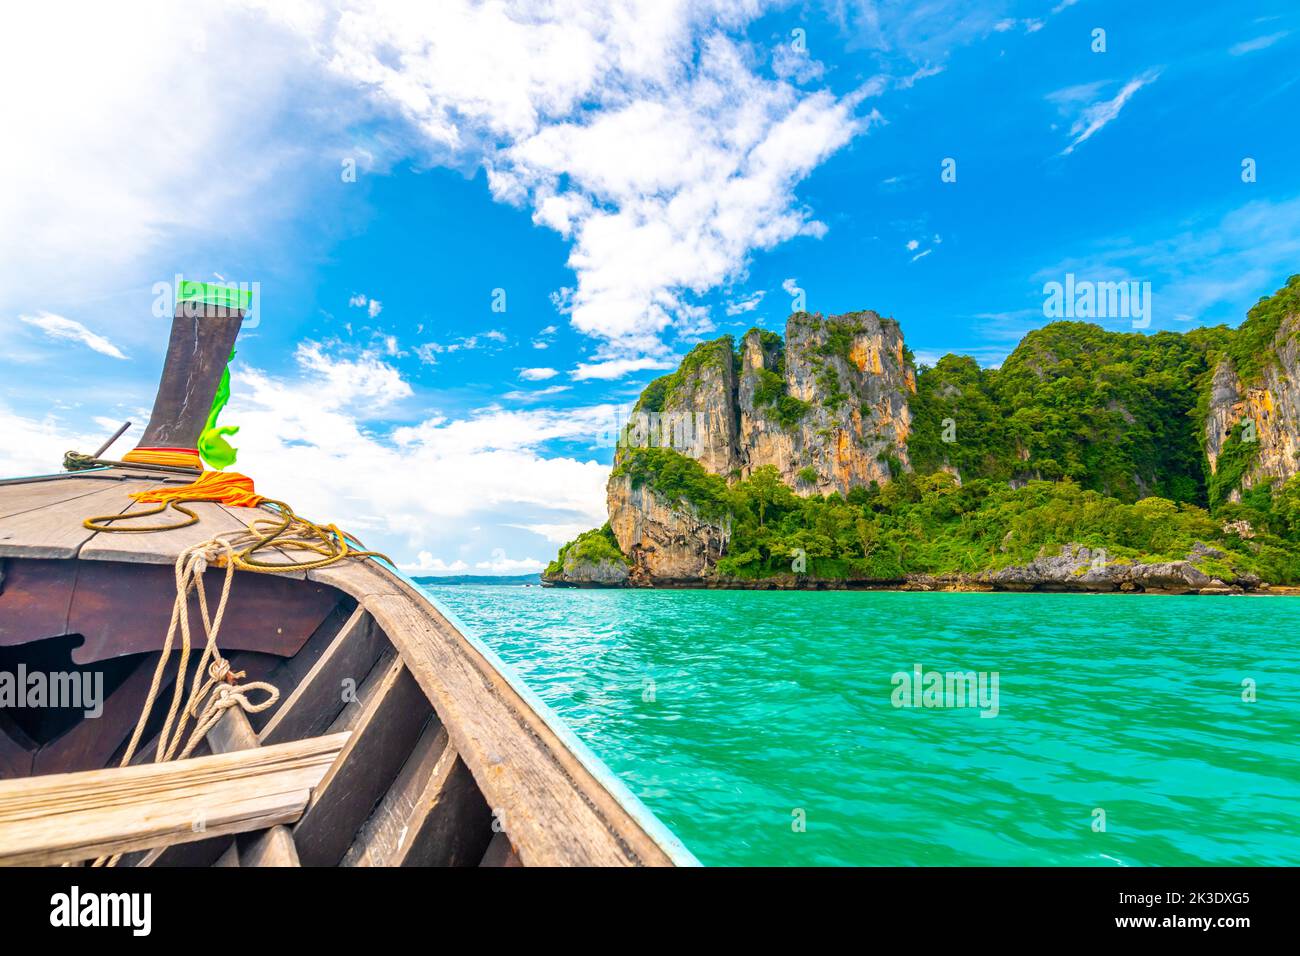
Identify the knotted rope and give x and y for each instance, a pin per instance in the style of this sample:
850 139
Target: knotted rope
209 698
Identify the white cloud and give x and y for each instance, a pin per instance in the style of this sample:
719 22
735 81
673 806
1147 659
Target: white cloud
374 308
537 374
58 327
316 439
519 395
1096 115
791 286
748 304
617 368
1259 43
922 255
119 166
913 245
556 533
500 564
686 166
35 446
365 381
425 562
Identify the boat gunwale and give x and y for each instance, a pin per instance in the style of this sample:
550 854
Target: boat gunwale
654 829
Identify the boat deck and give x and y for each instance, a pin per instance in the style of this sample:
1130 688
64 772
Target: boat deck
434 706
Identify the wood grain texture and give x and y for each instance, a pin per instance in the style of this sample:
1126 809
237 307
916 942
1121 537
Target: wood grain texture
78 816
56 530
554 810
381 741
270 847
318 698
18 499
158 547
432 815
197 351
500 852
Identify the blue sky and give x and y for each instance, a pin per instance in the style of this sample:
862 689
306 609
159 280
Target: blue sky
619 185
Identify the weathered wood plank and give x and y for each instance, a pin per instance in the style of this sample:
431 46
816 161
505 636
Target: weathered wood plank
35 597
228 858
266 612
17 499
56 530
432 815
92 743
554 810
158 547
16 750
318 698
360 578
271 847
380 743
359 696
79 816
500 852
199 853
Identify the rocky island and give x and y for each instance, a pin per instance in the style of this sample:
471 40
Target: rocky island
1090 460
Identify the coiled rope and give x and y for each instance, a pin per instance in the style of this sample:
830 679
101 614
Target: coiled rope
211 696
283 530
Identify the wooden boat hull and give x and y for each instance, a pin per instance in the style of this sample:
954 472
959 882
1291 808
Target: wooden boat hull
448 761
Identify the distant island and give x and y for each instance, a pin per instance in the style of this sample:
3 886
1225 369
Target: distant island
1091 460
515 579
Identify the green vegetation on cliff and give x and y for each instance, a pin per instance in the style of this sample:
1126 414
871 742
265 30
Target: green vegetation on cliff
1114 412
675 390
677 479
1251 346
594 546
931 525
1082 436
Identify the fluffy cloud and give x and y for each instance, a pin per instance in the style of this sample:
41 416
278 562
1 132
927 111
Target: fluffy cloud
747 304
640 131
317 439
537 374
59 327
500 564
124 163
617 368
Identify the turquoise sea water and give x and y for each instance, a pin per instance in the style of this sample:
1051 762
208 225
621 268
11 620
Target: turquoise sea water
737 715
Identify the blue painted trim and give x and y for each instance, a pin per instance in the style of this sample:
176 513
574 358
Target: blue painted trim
667 840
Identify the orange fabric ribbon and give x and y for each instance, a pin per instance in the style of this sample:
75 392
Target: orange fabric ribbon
224 487
174 457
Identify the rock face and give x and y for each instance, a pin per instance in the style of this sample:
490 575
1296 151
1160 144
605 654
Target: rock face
1078 568
580 573
667 543
693 410
1271 402
828 406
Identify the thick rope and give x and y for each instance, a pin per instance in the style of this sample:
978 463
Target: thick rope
208 698
211 696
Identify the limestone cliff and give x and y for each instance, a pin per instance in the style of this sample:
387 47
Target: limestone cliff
1264 400
828 406
693 410
1076 415
666 541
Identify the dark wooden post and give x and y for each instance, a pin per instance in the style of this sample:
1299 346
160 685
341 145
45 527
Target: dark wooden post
204 329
